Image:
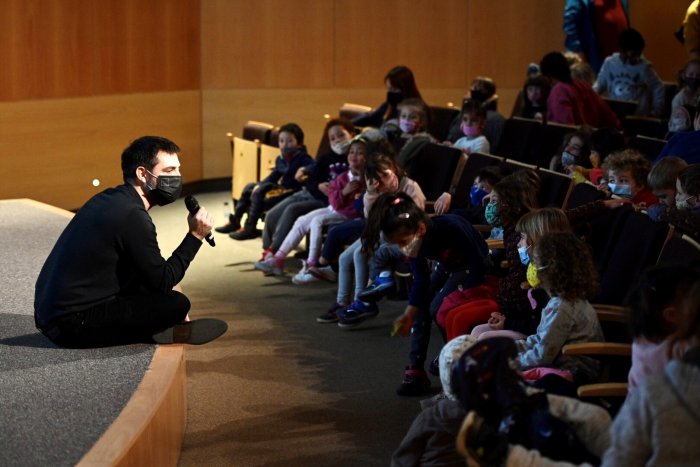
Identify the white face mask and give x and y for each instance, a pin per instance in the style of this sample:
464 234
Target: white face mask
341 147
413 247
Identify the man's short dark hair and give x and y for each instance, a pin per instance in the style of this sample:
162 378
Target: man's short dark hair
294 129
142 152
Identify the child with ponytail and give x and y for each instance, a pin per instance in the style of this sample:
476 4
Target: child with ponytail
460 258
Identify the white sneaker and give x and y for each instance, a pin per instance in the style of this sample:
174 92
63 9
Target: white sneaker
324 272
304 277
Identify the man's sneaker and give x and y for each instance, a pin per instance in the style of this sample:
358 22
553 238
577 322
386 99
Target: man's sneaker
324 272
415 383
266 261
379 287
304 277
199 331
356 313
330 316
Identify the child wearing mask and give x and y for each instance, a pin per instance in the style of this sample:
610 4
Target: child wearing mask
687 96
532 101
627 178
382 175
316 177
344 195
278 185
473 121
628 75
413 122
685 216
658 423
460 257
662 179
567 273
575 153
654 306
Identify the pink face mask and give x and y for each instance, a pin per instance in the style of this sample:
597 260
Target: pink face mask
470 130
407 126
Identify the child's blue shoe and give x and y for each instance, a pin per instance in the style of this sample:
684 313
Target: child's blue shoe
379 287
356 313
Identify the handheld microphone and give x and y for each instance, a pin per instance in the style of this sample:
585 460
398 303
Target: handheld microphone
193 207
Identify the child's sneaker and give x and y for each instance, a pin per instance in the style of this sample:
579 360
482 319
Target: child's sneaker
304 277
330 316
379 287
357 313
266 261
277 267
325 272
415 383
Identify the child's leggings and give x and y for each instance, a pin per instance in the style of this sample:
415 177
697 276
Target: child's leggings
311 223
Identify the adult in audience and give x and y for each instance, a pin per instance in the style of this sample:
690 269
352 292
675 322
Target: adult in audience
105 282
573 101
400 85
592 27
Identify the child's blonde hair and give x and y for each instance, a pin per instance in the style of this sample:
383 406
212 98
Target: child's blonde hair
537 223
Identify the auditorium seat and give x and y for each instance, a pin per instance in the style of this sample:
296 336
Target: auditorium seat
350 111
621 108
549 142
518 139
437 170
259 131
650 147
440 120
634 125
555 188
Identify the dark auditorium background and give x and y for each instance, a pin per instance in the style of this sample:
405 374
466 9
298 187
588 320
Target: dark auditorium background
81 78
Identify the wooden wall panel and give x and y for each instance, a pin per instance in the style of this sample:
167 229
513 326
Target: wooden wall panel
150 46
51 150
429 37
45 47
504 37
267 44
74 48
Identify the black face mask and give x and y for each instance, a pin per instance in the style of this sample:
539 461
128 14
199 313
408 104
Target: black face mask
477 95
167 190
394 97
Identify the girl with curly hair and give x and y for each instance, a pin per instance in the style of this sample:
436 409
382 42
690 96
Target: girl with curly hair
567 273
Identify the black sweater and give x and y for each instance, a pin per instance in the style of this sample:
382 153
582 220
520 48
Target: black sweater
109 248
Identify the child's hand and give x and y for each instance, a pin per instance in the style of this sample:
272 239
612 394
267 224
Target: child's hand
323 188
497 321
616 203
442 204
605 188
352 187
300 175
372 185
404 323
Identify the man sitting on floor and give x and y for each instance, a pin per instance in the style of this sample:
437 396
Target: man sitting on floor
105 281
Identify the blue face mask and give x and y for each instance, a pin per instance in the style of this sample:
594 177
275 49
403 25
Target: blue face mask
623 191
567 158
493 217
477 195
524 255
